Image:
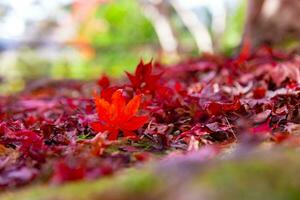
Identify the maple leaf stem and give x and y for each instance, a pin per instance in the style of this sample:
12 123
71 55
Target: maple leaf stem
232 131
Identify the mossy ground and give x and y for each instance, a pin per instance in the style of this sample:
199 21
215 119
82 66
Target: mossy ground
262 175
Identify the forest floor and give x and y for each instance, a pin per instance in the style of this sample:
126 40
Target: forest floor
208 128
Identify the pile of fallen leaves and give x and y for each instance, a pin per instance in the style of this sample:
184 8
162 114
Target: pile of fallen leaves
59 131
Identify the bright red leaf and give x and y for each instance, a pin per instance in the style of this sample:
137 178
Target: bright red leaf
118 115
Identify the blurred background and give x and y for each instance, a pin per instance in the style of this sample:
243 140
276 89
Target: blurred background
83 39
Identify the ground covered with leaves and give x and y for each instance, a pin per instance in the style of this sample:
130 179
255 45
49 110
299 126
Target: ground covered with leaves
172 118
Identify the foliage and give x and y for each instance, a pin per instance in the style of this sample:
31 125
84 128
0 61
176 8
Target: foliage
117 40
118 115
56 132
234 29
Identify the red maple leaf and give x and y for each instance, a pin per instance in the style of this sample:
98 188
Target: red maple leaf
118 116
217 108
64 171
245 52
31 144
143 80
103 82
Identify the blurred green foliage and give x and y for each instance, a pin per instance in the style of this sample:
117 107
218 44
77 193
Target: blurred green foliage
123 38
234 29
119 36
128 37
126 25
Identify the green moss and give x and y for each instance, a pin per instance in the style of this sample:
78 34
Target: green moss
263 178
133 182
266 175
